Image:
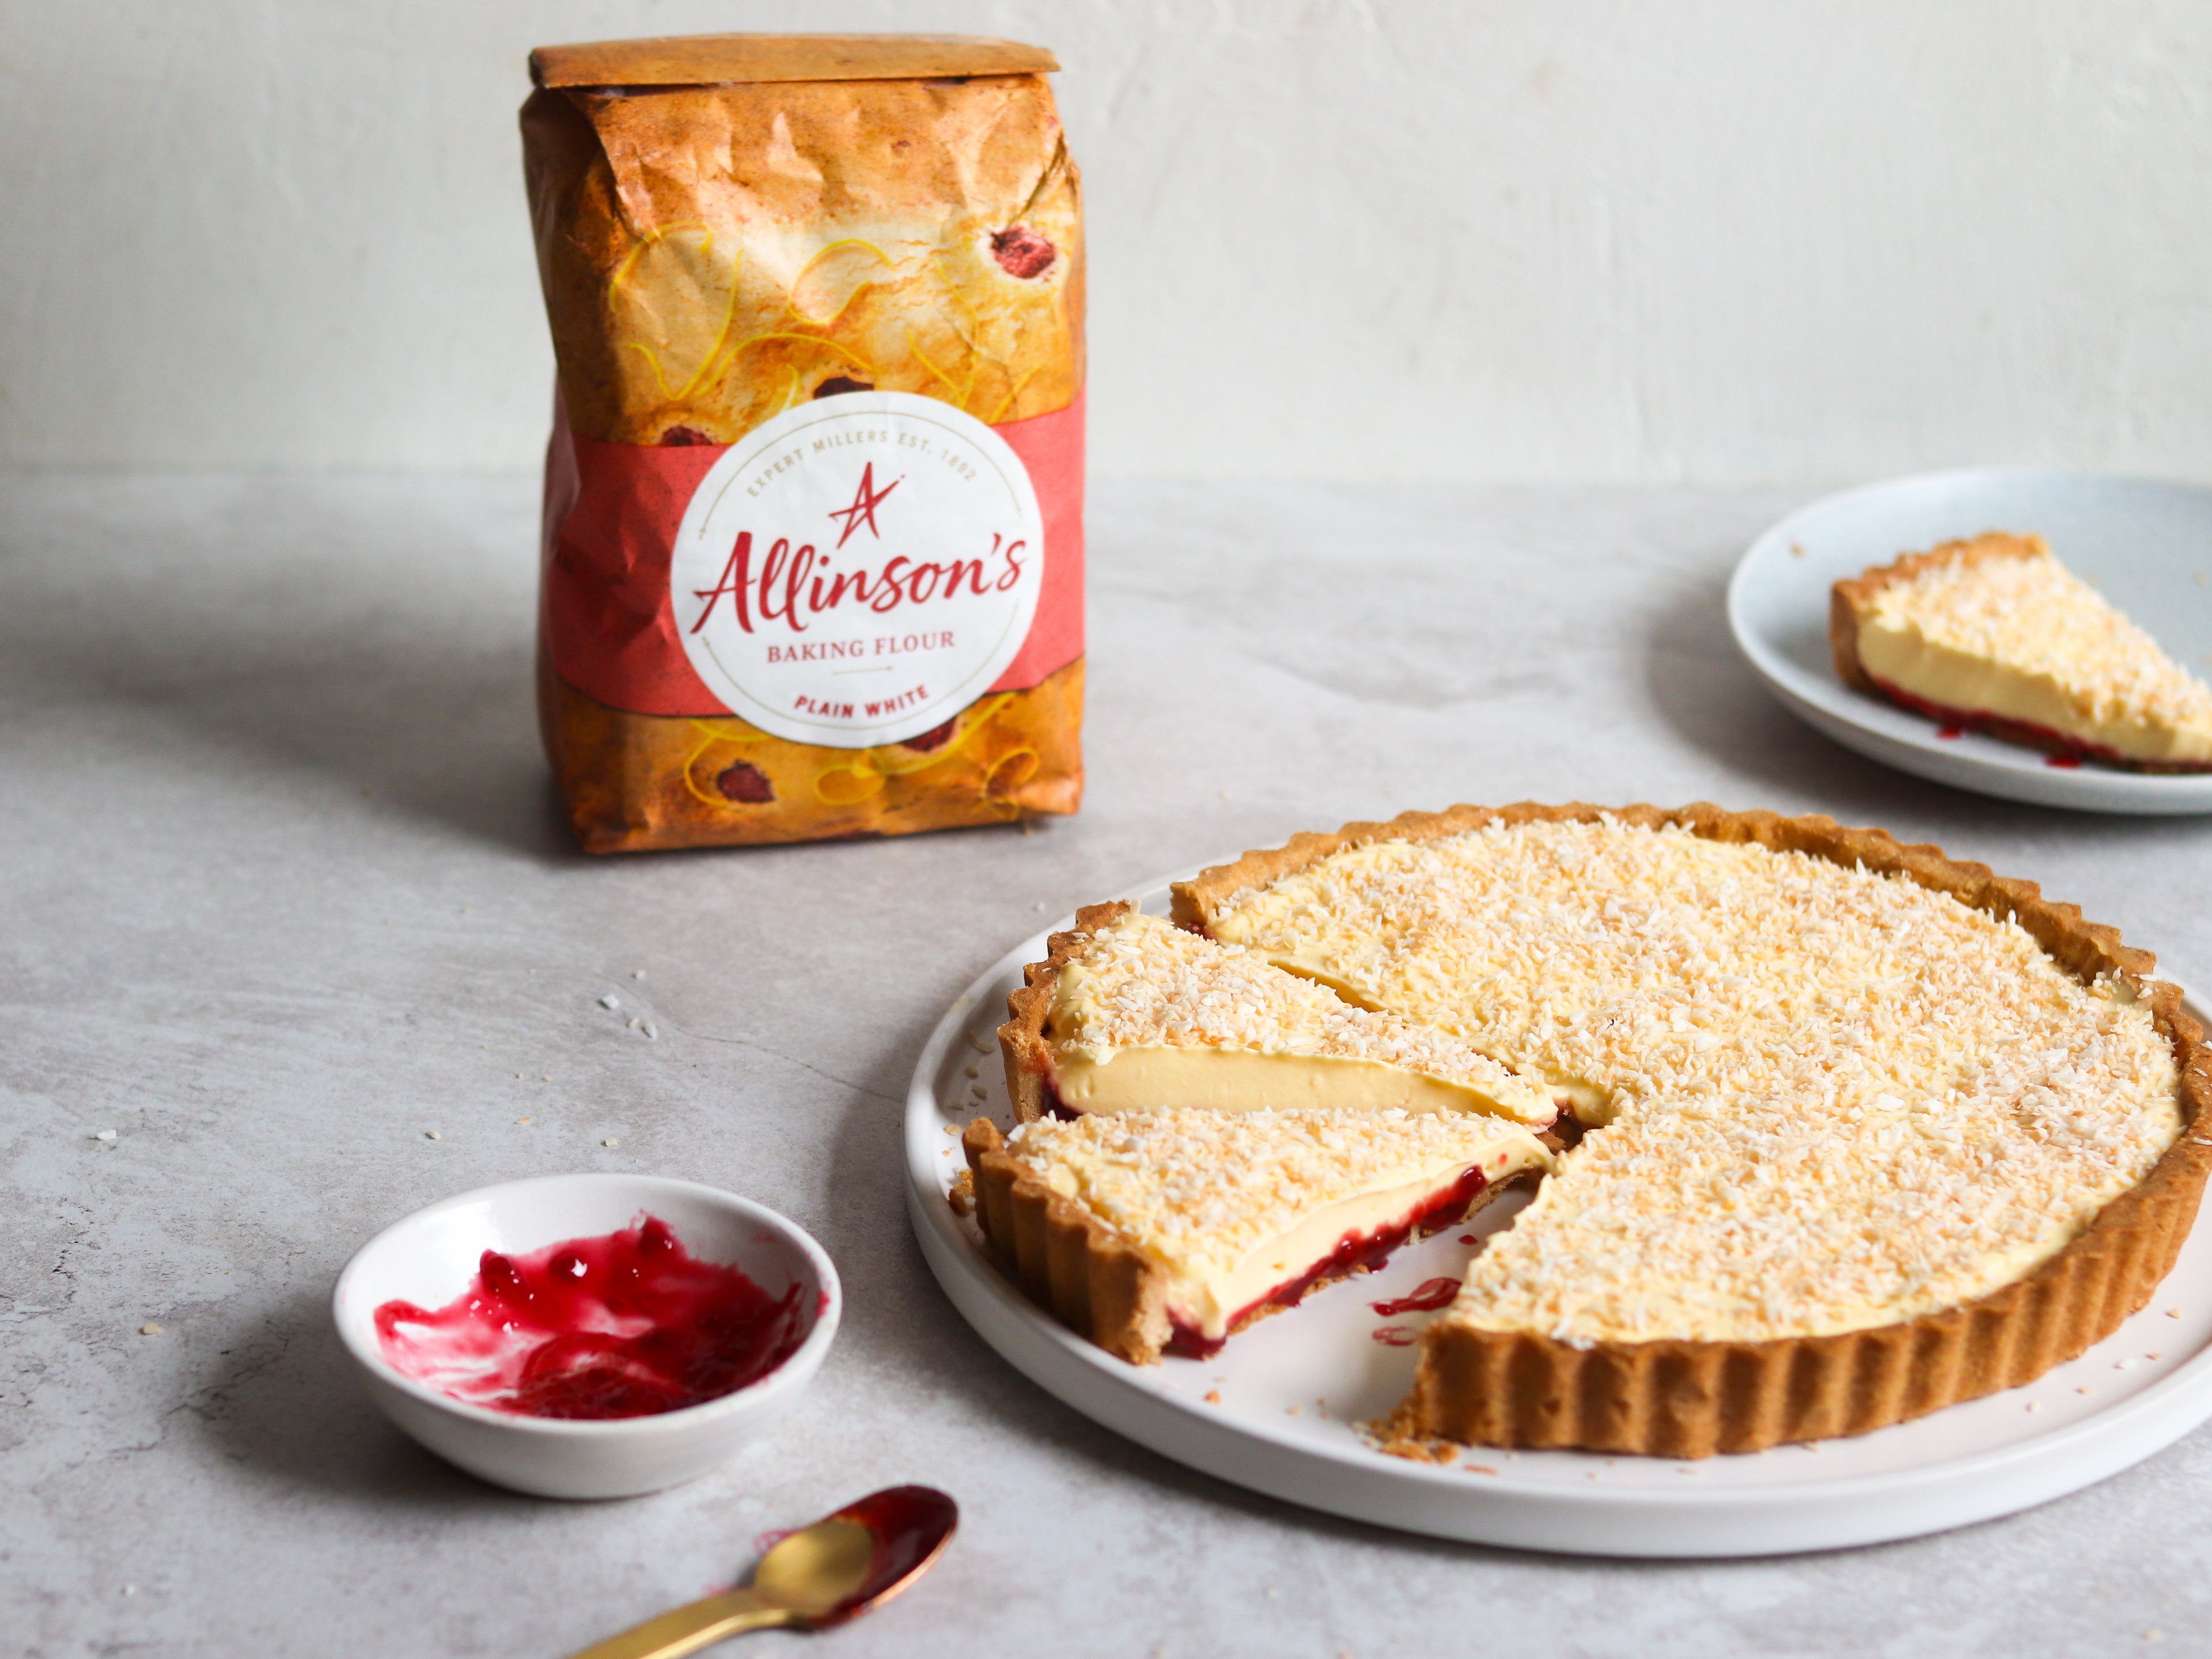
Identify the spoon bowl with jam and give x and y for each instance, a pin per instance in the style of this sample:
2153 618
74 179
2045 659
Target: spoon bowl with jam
811 1579
587 1335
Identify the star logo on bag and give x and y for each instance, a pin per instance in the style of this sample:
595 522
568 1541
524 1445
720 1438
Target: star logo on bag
863 509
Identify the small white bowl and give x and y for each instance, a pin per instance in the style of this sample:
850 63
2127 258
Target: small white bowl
429 1258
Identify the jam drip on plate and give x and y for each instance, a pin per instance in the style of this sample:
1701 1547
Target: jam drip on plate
1426 1297
627 1325
1354 1253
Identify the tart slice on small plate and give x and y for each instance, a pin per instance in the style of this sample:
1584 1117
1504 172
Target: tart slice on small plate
2142 549
1995 632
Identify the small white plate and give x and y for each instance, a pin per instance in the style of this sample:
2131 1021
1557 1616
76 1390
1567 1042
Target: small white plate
2146 544
1279 1409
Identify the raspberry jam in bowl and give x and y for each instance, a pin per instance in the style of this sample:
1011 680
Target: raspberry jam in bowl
624 1325
587 1335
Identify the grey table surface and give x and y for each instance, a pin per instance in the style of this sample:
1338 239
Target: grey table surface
282 888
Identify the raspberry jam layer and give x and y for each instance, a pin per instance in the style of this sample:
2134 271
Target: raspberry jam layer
630 1324
2066 750
1354 1253
1054 1106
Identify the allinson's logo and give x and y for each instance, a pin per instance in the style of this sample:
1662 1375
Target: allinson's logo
858 570
863 509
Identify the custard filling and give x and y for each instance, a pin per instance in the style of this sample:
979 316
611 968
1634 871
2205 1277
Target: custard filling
1250 1080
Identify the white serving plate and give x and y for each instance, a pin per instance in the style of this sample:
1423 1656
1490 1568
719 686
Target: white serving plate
2147 543
2130 1396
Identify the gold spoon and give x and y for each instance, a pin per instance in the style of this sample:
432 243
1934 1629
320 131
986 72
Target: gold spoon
833 1571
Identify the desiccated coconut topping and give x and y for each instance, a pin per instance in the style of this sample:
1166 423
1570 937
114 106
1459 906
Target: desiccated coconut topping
1837 1098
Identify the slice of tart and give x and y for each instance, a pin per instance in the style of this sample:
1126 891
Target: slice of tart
1995 632
1130 1013
1884 1131
1168 1231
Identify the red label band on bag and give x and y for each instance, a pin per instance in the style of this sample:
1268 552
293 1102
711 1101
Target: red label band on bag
853 572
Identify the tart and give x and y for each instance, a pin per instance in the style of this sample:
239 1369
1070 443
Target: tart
1167 1231
1131 1013
1995 632
1868 1131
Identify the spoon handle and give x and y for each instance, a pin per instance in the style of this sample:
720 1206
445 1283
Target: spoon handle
689 1629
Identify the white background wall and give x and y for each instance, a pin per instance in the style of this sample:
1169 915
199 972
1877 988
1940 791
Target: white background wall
1718 240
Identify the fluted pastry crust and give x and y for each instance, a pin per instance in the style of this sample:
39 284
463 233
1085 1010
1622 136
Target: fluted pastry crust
1093 1280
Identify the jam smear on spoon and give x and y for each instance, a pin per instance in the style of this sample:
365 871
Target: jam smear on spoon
629 1324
